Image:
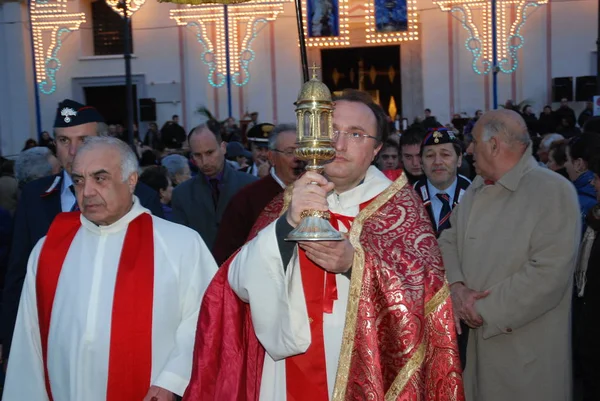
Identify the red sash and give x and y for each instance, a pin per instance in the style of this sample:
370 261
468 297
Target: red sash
130 359
306 374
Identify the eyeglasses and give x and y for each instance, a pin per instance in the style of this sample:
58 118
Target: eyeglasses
355 137
289 152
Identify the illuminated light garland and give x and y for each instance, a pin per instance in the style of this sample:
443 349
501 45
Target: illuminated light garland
343 39
132 6
50 22
411 33
509 41
246 55
255 15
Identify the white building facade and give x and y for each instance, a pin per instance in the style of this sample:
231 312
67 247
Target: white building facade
436 68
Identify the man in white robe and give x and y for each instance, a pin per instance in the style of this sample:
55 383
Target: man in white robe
334 320
79 342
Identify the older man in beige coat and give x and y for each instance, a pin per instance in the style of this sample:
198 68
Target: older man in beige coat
509 258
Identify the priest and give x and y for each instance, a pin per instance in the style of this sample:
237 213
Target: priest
111 296
368 317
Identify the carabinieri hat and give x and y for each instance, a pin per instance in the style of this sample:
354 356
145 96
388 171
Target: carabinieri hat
438 136
72 114
259 134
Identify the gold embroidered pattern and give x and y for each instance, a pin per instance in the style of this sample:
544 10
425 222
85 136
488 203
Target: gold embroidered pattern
341 381
438 299
406 373
417 359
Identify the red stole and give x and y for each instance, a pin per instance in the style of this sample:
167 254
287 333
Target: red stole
403 346
306 374
130 359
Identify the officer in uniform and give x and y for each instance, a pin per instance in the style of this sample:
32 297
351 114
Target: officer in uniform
258 138
41 200
441 189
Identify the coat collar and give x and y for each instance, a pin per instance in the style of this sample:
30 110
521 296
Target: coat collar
512 178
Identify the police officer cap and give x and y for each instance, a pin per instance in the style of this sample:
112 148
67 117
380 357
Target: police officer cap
71 114
259 134
439 136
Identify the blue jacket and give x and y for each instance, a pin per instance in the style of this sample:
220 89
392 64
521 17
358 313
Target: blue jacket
586 194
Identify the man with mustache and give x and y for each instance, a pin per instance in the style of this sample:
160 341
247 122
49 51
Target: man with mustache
441 188
245 207
200 202
367 317
112 293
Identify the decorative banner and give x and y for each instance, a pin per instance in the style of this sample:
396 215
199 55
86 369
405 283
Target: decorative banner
508 32
390 21
325 23
50 23
244 21
323 18
391 15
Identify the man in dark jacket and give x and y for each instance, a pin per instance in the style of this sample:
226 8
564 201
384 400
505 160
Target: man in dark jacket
41 200
564 111
199 203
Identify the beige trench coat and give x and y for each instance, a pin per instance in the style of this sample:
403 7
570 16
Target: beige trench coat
517 238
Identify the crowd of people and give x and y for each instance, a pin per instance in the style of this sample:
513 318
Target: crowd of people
160 270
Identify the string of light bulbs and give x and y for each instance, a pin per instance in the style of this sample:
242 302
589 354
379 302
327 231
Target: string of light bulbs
509 40
255 15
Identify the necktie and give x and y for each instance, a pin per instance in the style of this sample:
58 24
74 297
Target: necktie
75 207
444 220
214 189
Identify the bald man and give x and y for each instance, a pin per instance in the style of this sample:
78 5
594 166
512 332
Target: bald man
509 258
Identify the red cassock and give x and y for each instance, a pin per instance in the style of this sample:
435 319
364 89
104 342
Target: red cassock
242 212
399 338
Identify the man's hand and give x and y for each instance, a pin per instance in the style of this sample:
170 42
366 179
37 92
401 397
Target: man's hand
463 300
159 394
308 196
333 256
264 167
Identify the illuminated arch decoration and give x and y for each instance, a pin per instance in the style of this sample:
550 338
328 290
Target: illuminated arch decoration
50 23
249 18
509 34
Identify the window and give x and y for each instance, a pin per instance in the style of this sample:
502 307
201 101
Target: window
108 29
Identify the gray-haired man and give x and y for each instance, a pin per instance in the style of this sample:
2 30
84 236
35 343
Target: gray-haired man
41 200
112 294
246 206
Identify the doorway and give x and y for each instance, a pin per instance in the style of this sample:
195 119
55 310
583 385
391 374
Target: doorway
110 101
372 69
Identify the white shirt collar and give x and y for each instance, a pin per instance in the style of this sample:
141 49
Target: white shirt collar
120 224
450 191
375 182
277 179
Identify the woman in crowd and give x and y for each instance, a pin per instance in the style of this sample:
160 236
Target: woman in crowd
157 178
178 168
557 157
